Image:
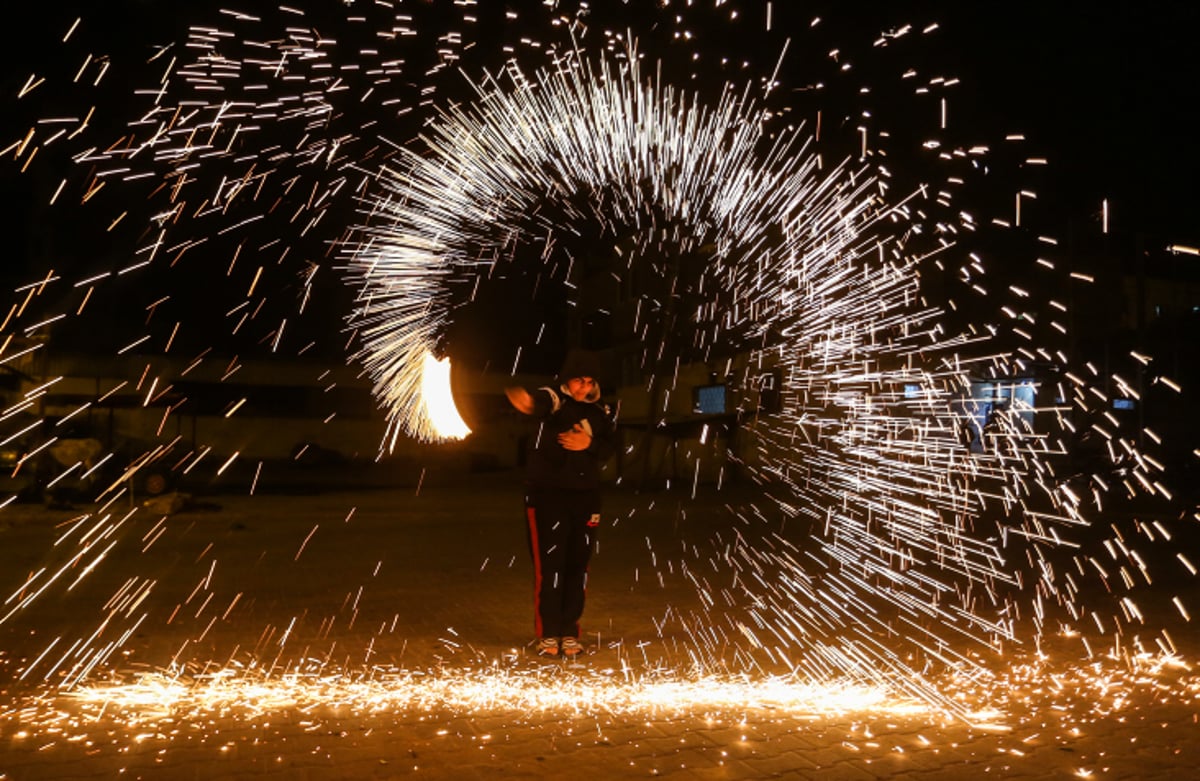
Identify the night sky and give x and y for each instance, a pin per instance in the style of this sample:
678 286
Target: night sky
1106 96
1109 91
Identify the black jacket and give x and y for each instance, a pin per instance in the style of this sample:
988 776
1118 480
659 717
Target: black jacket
551 466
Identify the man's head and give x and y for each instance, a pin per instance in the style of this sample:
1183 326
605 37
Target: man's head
582 388
579 376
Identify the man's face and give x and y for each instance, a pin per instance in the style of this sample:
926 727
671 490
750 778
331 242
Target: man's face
580 387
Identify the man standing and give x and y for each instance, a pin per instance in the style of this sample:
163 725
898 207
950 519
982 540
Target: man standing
562 495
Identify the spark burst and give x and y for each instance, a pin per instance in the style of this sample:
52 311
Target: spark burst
910 552
902 547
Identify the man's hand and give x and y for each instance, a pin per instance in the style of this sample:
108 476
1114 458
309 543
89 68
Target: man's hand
520 398
575 439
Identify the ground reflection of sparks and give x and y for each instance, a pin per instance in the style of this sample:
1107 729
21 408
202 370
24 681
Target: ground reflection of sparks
998 702
544 690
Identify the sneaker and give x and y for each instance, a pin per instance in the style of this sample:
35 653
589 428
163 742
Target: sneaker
547 646
570 646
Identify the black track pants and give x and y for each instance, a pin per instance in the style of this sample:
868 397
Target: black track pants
560 543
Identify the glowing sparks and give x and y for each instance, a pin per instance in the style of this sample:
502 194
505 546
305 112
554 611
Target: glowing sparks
643 154
868 428
921 498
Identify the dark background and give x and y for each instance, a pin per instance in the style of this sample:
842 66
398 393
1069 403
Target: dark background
1107 96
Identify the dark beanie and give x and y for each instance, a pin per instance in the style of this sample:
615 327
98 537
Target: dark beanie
581 363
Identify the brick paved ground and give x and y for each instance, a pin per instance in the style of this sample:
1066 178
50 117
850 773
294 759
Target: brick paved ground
422 596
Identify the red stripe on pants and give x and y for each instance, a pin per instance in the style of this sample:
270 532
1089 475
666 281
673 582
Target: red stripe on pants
536 550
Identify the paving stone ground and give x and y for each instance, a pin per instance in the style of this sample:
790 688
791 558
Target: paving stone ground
382 617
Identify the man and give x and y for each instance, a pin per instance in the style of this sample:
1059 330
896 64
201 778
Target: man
562 499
